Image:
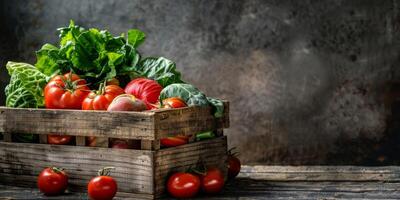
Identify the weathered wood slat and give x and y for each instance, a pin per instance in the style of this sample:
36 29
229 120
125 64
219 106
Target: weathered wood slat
321 173
149 125
22 162
190 120
134 125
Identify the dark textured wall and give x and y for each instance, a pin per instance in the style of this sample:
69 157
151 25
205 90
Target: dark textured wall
308 80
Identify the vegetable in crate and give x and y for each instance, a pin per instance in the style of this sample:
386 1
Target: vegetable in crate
65 92
159 69
127 102
205 135
144 89
25 90
173 102
101 99
174 141
52 181
59 139
96 55
192 96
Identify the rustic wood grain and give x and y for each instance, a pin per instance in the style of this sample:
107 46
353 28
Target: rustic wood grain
244 188
321 173
189 120
7 137
149 125
134 125
43 139
21 163
80 141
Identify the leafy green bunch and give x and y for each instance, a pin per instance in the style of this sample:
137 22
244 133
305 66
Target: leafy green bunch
93 54
97 56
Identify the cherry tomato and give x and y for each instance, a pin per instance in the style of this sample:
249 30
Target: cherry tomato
59 139
174 102
101 99
65 92
52 181
233 166
174 141
213 181
102 187
183 185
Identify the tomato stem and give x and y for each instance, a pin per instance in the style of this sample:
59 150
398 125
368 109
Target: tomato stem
57 170
105 171
232 153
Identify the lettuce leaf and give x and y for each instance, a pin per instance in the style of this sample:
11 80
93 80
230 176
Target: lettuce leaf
192 96
95 55
25 89
160 69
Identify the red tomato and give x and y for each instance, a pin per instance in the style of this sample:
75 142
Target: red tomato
102 187
65 92
120 144
183 185
101 99
52 181
59 139
174 102
113 81
233 166
144 89
174 141
213 181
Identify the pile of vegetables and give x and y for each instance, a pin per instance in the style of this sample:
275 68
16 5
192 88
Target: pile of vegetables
98 58
90 68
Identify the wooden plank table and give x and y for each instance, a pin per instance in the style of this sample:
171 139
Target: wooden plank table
284 182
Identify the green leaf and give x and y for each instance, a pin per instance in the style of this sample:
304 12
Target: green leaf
161 70
25 89
50 60
136 37
190 94
218 106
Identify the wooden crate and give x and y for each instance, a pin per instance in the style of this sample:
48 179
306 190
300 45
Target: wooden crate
140 173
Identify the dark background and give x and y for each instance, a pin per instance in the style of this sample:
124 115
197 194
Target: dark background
310 82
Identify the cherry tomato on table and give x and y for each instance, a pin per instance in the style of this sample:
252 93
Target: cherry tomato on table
213 181
65 92
233 165
100 100
52 181
102 187
183 185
